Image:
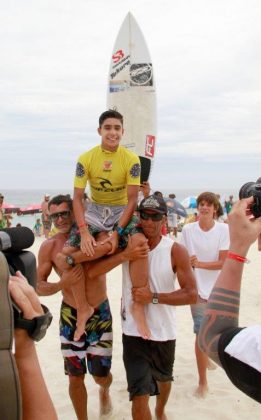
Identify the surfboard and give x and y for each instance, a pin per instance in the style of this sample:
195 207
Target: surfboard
131 91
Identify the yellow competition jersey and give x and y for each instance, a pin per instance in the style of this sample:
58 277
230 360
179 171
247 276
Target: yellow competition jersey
108 174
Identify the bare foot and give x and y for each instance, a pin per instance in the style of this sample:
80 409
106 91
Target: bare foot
201 391
105 401
137 311
82 317
211 365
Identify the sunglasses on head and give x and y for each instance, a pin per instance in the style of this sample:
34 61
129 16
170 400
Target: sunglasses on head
63 214
156 217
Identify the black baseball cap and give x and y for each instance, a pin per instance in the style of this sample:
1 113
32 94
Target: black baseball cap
157 204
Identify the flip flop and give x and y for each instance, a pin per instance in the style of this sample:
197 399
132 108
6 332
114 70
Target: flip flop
10 395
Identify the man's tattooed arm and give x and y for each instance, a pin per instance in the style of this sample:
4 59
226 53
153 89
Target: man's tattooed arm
221 313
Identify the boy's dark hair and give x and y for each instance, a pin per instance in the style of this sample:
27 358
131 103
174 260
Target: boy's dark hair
158 194
111 113
209 197
59 199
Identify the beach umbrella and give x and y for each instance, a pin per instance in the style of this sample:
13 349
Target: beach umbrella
31 209
10 208
190 202
174 206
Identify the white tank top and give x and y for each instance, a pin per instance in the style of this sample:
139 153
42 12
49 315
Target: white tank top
161 318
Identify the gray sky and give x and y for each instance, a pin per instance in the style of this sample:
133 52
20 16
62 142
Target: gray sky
53 78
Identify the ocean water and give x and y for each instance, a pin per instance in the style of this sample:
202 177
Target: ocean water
23 198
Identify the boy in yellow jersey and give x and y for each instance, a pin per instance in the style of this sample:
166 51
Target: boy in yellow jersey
113 173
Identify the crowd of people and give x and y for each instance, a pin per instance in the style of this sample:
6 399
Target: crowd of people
117 226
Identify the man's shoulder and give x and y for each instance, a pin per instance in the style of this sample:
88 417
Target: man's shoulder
50 244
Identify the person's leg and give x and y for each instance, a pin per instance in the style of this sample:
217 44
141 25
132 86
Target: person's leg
162 399
104 394
75 364
139 278
99 353
140 407
197 311
202 364
78 395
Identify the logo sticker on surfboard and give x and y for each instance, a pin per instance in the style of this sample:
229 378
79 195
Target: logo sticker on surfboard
141 74
150 146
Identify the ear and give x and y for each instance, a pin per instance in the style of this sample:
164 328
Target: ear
99 131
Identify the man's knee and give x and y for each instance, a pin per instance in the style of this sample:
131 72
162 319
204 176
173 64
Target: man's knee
104 381
138 239
76 381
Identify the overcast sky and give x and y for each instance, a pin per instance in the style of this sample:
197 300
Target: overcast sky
54 67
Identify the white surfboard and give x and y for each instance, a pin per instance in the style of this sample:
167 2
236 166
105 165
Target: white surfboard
131 91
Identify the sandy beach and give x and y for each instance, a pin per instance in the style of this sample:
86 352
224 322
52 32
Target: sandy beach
224 401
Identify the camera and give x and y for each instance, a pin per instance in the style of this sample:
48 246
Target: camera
252 189
13 241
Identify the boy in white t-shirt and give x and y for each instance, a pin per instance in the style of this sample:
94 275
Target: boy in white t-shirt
207 242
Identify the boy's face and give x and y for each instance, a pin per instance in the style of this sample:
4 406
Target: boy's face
111 133
206 209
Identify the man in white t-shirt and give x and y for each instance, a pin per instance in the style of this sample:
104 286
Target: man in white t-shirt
207 242
237 350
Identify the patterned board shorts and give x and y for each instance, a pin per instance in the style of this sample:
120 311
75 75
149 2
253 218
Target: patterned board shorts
95 345
132 228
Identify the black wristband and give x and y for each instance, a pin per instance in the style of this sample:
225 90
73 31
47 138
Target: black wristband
36 327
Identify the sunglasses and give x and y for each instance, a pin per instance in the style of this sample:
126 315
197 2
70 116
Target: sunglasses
63 214
156 217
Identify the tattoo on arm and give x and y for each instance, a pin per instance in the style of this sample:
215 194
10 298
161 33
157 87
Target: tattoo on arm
221 313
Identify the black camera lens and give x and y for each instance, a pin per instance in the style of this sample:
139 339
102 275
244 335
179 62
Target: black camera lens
252 189
246 190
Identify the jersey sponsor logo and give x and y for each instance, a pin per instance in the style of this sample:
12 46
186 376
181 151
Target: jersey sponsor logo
80 171
105 183
150 146
135 170
107 165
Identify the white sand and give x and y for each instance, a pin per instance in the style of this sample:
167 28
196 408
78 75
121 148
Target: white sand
224 401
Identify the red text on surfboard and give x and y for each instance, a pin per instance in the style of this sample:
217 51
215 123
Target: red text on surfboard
150 146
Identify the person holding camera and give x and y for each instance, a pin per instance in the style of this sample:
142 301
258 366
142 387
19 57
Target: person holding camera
236 349
24 394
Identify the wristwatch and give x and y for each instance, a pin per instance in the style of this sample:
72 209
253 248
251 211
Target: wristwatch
155 298
36 328
70 260
120 230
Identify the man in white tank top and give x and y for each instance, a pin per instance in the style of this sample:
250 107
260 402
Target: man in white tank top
149 362
207 242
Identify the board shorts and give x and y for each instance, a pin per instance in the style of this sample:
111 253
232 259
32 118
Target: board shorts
197 312
95 345
147 362
103 218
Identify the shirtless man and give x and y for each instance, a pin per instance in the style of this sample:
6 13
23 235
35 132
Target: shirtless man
60 209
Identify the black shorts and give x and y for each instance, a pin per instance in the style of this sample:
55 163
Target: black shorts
147 362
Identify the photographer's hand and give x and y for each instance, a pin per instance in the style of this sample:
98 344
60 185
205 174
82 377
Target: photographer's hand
243 229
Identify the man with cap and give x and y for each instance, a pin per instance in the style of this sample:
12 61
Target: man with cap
149 363
47 223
